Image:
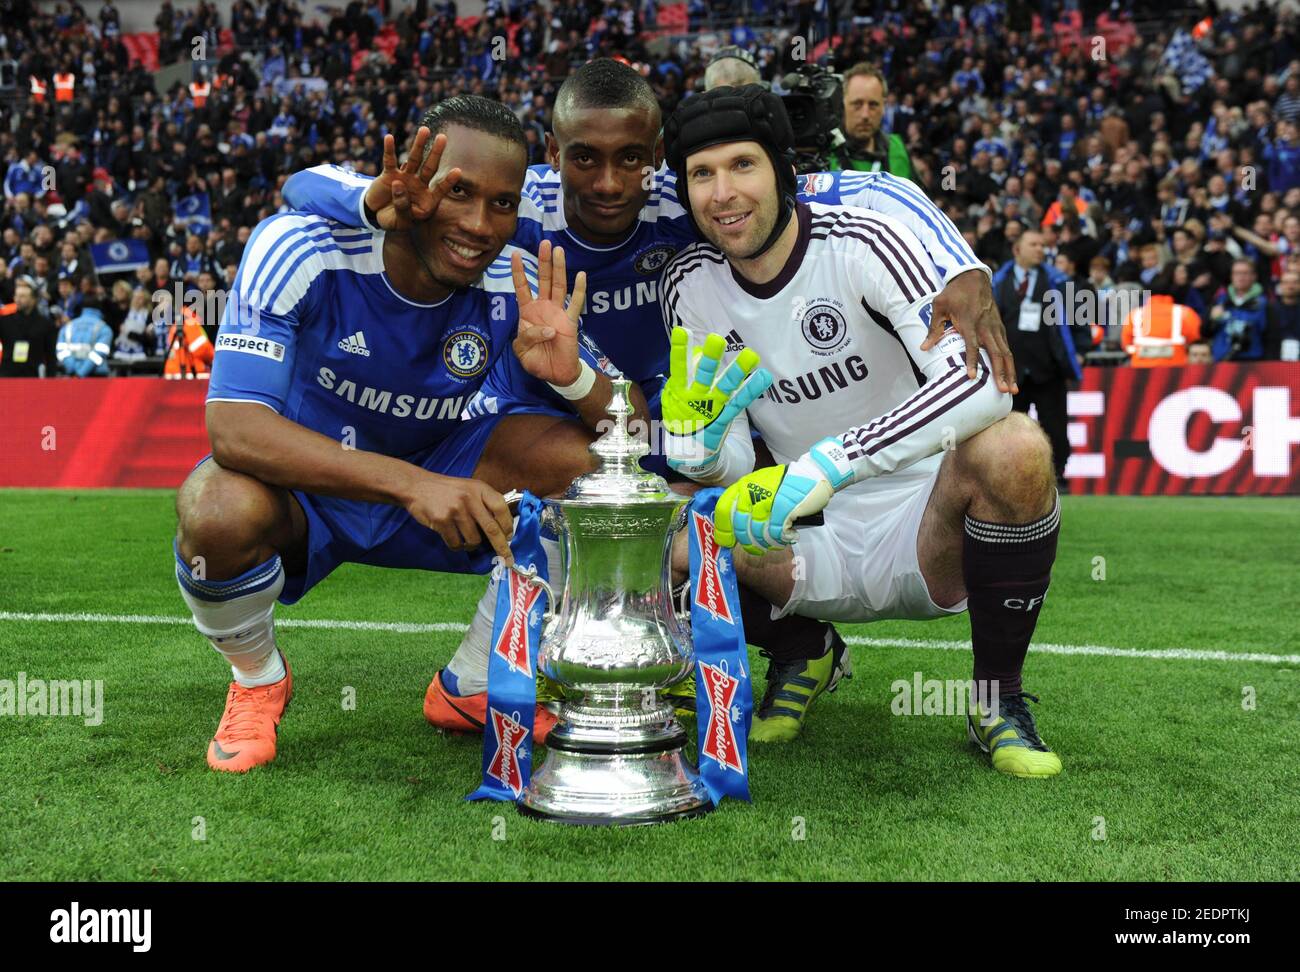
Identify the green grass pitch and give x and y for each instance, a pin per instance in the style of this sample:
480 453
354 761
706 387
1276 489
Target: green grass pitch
1188 783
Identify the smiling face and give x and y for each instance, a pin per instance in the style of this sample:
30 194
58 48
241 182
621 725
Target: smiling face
604 157
733 195
477 217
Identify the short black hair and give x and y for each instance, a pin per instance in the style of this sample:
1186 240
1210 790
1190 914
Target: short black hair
605 83
477 113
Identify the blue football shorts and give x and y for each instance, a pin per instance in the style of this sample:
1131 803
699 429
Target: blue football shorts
345 531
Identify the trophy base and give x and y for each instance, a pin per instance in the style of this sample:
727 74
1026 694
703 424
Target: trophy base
579 820
616 789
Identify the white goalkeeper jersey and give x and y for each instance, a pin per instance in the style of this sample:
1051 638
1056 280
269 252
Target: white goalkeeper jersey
840 329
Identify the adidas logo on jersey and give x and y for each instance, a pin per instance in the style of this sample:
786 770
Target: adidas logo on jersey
734 343
355 344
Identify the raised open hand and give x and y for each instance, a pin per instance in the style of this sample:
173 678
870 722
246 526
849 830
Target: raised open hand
547 340
404 195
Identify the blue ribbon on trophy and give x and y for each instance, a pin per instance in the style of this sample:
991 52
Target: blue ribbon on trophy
512 662
724 701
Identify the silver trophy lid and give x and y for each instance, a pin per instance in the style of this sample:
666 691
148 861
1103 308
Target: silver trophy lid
619 480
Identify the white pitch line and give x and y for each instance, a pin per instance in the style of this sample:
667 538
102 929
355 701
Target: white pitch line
397 627
1046 648
403 627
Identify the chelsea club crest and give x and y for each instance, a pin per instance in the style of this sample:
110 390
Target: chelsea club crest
653 260
824 327
465 354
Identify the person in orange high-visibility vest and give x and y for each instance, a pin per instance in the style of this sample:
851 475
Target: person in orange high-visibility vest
64 86
199 93
189 352
1156 335
39 87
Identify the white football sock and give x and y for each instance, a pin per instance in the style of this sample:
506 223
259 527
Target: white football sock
239 625
470 663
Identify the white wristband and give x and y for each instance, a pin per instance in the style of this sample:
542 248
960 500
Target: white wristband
581 388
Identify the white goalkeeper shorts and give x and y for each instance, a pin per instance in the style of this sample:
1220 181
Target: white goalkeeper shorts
861 564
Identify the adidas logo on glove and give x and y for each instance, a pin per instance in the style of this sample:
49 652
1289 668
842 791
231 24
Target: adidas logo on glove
702 405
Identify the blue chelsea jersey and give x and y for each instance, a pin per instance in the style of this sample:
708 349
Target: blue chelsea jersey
314 329
623 316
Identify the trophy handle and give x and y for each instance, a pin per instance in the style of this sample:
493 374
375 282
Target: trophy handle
529 574
512 499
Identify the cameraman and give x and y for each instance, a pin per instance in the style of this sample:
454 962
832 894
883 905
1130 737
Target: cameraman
1239 316
868 149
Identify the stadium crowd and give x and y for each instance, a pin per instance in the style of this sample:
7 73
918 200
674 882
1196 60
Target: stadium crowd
1163 160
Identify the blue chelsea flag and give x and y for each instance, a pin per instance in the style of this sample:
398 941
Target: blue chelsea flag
195 212
118 255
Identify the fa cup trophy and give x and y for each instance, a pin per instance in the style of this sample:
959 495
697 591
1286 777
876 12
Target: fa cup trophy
615 644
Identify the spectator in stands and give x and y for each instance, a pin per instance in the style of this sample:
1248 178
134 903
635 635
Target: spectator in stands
1287 106
1239 316
135 338
161 278
83 345
1198 353
1282 155
1282 334
192 262
100 198
117 306
27 337
26 175
68 300
1067 203
153 205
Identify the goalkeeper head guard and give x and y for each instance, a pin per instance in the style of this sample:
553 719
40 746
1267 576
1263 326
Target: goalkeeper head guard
746 114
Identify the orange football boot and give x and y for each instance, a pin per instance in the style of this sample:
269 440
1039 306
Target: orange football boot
468 713
246 734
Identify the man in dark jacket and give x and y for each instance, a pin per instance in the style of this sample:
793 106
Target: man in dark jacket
27 336
1239 316
1038 313
1282 335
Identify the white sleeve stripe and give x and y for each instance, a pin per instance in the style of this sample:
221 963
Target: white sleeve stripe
922 399
298 279
924 412
890 265
925 420
922 206
361 212
336 173
282 260
906 253
245 401
269 235
880 229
